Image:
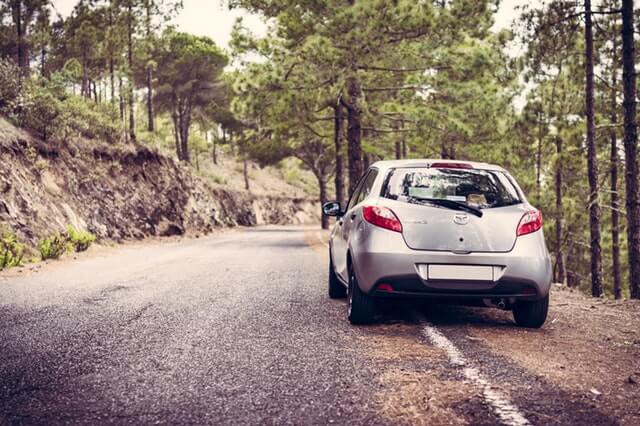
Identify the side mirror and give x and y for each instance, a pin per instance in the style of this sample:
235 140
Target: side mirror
332 208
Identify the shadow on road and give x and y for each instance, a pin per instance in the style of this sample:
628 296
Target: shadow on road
441 313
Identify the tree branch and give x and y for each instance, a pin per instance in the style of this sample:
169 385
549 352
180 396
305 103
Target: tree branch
373 129
391 89
374 68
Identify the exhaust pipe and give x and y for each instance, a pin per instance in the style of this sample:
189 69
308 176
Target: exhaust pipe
496 303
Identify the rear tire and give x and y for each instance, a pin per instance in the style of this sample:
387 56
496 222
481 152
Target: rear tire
336 289
361 305
531 314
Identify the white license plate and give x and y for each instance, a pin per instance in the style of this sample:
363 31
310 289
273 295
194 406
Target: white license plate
460 272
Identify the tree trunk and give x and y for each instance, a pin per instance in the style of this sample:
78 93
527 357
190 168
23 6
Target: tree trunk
354 132
214 153
132 118
176 134
615 216
121 98
112 80
111 61
22 47
366 160
592 164
245 169
337 138
398 150
184 122
444 154
631 148
322 183
405 149
539 160
560 273
84 90
150 123
43 60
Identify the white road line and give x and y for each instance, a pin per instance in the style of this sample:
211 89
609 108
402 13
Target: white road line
319 237
508 413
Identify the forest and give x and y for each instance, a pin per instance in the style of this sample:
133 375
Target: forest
340 84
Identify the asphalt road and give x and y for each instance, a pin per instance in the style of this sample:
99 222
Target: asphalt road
237 329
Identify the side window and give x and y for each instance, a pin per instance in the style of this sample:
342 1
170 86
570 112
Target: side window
366 187
356 194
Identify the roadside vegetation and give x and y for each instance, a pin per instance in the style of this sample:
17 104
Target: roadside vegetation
14 253
58 243
339 85
11 250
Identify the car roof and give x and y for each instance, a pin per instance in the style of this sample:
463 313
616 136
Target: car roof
427 162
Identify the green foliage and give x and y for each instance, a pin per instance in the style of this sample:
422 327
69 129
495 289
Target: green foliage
53 246
44 106
80 240
11 250
80 117
11 87
42 111
220 180
188 78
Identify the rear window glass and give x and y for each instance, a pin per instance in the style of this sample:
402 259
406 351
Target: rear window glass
477 188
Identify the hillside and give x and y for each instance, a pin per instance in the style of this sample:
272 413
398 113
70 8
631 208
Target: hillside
119 191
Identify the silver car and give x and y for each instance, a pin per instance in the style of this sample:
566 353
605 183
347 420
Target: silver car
439 229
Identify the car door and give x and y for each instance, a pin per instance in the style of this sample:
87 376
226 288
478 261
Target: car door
352 218
339 240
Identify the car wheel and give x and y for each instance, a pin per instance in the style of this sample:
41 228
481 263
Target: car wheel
531 314
336 289
361 305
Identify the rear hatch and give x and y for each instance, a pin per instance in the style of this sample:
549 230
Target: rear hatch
426 227
455 207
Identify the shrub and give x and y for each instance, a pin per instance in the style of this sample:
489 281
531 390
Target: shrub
45 106
79 116
11 87
80 240
11 250
53 246
41 111
218 179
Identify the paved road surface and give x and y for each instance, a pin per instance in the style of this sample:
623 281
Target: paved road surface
237 329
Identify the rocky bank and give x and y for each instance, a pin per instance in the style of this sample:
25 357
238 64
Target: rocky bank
120 192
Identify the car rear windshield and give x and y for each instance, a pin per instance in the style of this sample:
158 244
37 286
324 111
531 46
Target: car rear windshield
477 188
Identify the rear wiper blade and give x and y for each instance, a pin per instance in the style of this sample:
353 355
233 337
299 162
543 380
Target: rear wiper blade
451 204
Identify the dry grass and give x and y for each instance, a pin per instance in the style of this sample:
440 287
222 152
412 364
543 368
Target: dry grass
286 180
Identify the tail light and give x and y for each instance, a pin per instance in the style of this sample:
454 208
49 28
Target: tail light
382 217
530 222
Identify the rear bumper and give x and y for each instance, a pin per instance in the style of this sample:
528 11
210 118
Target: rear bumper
381 256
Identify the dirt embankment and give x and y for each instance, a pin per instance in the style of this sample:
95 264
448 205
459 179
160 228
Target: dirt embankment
120 192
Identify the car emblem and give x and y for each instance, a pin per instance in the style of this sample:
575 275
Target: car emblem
461 218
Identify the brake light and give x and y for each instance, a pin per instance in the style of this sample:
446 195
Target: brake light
382 217
530 222
451 165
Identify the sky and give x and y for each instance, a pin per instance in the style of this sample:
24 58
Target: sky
212 18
